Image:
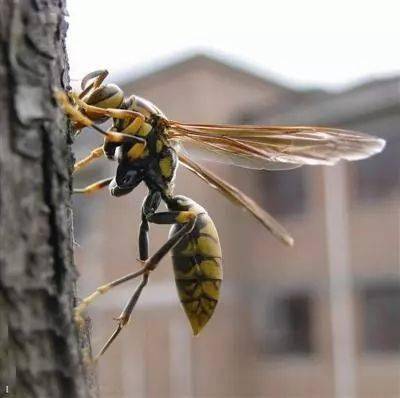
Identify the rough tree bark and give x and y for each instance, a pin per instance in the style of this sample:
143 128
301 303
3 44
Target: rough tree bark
40 350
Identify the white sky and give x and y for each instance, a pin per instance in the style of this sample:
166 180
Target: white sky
301 42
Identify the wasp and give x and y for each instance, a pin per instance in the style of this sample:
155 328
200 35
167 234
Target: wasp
148 148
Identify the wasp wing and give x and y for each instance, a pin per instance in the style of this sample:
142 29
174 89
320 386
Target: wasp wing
238 198
196 148
273 147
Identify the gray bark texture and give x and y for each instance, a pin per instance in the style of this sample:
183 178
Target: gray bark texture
41 353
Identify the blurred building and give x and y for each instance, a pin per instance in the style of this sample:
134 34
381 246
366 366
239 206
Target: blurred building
319 320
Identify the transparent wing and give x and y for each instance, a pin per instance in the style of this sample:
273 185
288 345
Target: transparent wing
200 150
273 147
238 198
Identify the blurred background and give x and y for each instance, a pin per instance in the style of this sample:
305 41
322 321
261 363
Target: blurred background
319 320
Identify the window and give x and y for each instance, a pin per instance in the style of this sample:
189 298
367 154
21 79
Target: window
283 192
381 312
289 326
245 117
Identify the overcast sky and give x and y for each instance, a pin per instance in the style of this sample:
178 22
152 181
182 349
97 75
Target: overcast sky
329 44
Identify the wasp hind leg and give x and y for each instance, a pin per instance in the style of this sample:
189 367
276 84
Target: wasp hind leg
150 205
188 219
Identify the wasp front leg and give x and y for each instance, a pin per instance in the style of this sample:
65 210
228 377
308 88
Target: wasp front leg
94 112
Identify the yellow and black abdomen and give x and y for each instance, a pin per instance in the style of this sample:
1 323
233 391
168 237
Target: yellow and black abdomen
198 269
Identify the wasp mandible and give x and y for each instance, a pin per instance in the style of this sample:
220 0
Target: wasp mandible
149 147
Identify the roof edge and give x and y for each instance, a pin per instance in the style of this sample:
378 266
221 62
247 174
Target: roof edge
182 61
370 97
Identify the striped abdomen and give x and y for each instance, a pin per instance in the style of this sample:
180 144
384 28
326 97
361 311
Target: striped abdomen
198 270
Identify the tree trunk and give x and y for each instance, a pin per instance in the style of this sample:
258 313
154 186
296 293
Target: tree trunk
40 351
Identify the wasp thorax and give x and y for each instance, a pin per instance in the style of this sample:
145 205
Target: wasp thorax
105 96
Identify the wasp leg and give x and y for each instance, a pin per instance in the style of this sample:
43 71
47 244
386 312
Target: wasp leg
121 322
95 154
113 139
95 186
83 121
107 112
188 219
120 138
150 205
134 126
102 290
136 151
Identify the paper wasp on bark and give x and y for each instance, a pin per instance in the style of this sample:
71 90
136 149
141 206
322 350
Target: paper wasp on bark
149 147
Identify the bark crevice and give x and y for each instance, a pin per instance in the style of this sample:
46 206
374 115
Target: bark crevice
40 350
